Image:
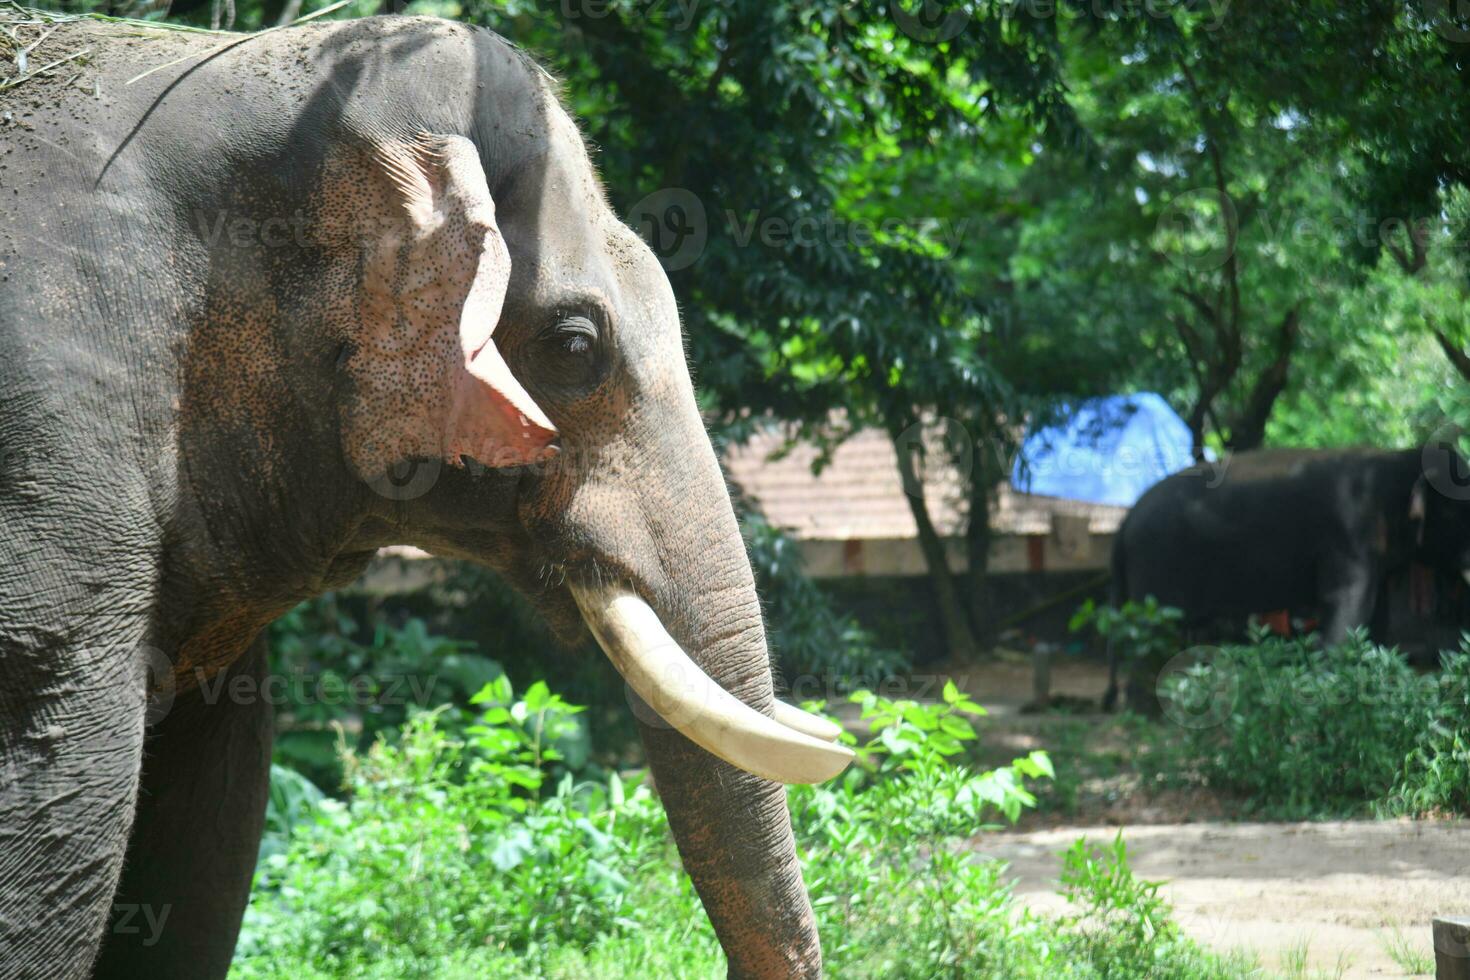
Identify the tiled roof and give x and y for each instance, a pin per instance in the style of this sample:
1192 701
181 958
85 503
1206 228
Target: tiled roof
859 496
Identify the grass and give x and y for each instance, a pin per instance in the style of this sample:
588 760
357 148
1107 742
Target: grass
23 33
23 30
1296 964
1408 955
1099 761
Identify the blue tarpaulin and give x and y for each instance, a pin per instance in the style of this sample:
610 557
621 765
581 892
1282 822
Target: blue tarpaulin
1108 451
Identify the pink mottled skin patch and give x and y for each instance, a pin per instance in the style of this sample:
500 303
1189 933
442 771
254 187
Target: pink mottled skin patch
417 294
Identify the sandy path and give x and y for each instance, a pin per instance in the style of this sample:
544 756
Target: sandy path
1341 888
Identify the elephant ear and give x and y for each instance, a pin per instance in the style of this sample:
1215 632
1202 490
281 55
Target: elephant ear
429 272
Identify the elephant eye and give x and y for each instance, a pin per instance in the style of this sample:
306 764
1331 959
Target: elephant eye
576 337
570 353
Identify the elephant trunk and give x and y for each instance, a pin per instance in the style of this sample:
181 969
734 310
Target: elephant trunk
734 835
732 826
712 741
716 741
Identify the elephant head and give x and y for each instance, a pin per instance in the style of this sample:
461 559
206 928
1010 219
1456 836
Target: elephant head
1439 509
499 326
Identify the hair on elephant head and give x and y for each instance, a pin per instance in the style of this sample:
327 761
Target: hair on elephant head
330 300
1439 509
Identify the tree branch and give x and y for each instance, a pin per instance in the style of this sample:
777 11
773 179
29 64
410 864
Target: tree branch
1228 331
1458 357
1249 428
1413 261
1206 309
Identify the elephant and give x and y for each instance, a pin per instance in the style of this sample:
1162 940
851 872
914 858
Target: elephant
269 303
1292 529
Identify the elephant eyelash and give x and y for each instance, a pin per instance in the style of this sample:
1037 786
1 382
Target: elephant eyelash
572 355
573 325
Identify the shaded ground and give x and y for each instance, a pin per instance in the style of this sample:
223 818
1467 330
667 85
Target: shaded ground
1111 769
1344 893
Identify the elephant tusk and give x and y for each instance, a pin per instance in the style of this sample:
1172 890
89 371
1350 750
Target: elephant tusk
663 675
804 721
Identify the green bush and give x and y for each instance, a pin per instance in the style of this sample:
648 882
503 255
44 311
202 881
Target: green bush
1310 732
339 678
461 855
808 634
1121 926
1143 636
1436 775
896 892
454 851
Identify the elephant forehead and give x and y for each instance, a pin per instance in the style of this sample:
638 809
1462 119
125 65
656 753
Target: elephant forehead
569 247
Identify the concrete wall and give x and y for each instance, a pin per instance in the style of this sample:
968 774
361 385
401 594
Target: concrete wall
883 557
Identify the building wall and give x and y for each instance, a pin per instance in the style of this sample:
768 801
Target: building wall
1058 551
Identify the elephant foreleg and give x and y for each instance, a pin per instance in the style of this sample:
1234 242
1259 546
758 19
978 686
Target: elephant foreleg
71 735
1110 696
206 776
1349 595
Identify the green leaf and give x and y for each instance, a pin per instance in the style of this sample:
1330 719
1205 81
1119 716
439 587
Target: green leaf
510 849
957 727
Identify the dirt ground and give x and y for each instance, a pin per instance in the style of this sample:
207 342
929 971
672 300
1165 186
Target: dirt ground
1099 756
1340 894
1344 892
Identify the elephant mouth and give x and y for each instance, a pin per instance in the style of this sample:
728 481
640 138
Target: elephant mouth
788 746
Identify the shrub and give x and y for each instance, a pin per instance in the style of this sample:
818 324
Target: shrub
454 851
1311 732
466 856
896 891
1122 926
339 676
1436 775
1142 636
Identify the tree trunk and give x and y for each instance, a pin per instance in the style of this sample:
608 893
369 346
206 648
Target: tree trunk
1249 430
988 472
957 634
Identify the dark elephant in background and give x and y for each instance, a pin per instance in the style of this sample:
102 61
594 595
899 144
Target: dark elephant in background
1292 529
268 303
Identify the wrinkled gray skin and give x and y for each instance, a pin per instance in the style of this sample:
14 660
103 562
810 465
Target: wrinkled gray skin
1292 529
172 472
